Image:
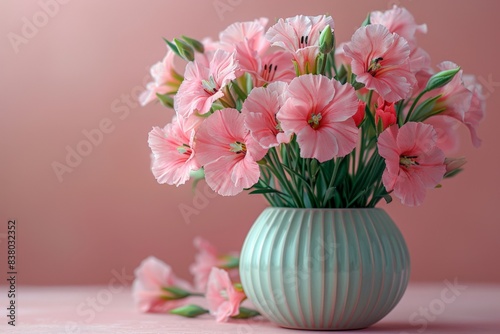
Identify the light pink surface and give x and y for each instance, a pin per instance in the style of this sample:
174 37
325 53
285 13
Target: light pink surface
473 309
78 72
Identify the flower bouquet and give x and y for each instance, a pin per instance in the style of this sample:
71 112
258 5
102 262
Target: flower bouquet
285 111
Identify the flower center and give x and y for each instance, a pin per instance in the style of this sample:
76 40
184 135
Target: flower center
184 149
210 86
238 147
269 72
375 65
408 161
304 41
314 120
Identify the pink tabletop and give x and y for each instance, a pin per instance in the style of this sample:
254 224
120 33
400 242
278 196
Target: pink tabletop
425 308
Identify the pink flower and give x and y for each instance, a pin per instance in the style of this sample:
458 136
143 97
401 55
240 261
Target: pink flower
299 35
166 79
251 33
228 152
173 153
275 66
446 128
260 109
455 98
151 277
400 21
319 111
205 78
359 116
381 61
298 32
413 161
223 298
206 258
385 112
476 112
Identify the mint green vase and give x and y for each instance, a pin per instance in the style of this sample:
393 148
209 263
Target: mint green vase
324 269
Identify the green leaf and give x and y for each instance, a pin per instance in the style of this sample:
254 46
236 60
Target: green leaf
246 313
267 191
329 194
189 311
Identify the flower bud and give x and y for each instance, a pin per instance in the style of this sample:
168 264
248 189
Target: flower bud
454 166
359 116
198 46
326 40
440 79
386 113
185 50
189 311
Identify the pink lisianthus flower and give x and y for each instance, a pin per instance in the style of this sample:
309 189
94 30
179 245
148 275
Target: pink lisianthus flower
223 298
476 112
455 98
208 257
251 33
205 79
386 113
299 35
298 32
446 127
173 153
228 152
248 40
272 67
413 161
260 109
400 21
148 289
319 111
381 61
166 80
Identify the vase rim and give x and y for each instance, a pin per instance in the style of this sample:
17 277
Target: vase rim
323 209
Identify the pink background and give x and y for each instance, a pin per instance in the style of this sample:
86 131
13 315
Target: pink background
109 213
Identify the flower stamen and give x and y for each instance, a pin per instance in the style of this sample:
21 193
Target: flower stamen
184 149
408 161
304 41
210 86
375 65
238 147
314 120
269 72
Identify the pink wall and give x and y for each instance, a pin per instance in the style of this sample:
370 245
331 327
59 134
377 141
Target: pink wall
81 66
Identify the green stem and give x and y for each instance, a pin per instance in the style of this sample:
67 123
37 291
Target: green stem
414 105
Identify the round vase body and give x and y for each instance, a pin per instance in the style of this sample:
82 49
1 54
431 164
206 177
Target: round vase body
324 269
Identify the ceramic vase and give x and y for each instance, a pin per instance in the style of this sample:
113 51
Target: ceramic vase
324 269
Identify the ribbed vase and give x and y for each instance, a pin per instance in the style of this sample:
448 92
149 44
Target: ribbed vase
324 269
